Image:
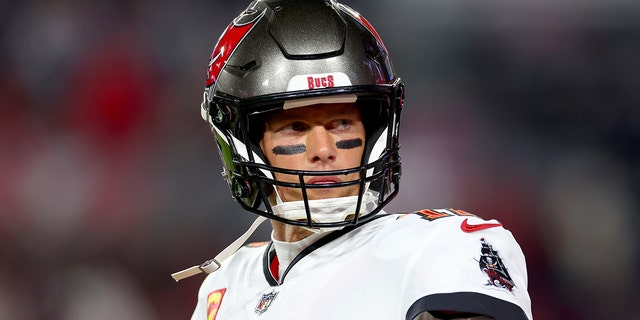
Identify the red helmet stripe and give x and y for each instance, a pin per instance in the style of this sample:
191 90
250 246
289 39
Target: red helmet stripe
357 16
229 40
372 30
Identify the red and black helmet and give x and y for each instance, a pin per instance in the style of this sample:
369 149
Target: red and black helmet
284 53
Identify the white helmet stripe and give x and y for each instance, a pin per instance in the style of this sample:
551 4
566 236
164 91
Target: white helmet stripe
241 149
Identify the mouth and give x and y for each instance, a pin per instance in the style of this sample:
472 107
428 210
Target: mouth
323 180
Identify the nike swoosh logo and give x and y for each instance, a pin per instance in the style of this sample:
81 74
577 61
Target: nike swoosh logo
466 227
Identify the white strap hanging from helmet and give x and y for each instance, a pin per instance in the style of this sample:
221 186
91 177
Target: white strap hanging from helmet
212 265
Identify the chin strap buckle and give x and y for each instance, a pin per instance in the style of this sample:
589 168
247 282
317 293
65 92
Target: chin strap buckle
207 267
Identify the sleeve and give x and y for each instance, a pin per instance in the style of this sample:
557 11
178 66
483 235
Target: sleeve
428 316
467 265
210 296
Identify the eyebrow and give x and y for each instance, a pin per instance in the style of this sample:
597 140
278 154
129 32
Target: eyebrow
349 144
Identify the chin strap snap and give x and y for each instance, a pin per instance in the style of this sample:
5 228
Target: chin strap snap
212 265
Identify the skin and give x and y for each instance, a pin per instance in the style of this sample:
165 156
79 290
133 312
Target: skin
313 138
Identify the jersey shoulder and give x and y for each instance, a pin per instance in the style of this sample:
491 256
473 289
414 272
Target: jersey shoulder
455 242
449 228
438 214
246 260
455 251
451 220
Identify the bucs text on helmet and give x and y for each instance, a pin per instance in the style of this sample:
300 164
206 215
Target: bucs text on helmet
283 54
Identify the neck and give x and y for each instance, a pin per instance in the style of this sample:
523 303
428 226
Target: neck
288 233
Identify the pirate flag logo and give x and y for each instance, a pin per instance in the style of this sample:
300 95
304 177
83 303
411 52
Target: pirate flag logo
491 264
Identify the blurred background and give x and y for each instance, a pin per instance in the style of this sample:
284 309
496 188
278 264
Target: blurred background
524 111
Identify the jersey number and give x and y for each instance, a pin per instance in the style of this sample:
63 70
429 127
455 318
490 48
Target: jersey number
433 214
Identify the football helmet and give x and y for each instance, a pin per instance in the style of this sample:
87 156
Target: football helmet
280 54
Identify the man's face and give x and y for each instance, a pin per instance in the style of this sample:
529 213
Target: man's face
320 137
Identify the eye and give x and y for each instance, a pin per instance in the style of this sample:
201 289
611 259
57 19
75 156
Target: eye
293 127
340 124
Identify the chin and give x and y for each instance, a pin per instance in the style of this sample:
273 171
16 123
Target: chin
328 194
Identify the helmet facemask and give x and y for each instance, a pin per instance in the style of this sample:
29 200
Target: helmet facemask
253 180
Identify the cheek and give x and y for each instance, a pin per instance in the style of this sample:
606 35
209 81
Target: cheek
350 158
354 156
286 157
285 162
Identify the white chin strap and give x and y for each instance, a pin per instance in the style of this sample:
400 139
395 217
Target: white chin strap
325 210
212 265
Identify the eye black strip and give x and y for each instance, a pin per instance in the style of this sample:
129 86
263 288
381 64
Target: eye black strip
288 150
349 144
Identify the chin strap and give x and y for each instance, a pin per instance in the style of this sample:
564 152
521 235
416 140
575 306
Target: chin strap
212 265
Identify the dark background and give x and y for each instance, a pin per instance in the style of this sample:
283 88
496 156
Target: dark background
524 111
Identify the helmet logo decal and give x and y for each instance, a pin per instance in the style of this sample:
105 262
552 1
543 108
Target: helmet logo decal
320 82
317 81
231 37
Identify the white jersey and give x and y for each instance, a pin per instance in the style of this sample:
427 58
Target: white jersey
396 266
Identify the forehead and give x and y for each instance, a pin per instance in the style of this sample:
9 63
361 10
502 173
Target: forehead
317 111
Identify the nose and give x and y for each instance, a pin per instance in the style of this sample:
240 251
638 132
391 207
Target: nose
321 145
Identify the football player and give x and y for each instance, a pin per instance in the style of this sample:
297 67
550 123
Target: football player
305 106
